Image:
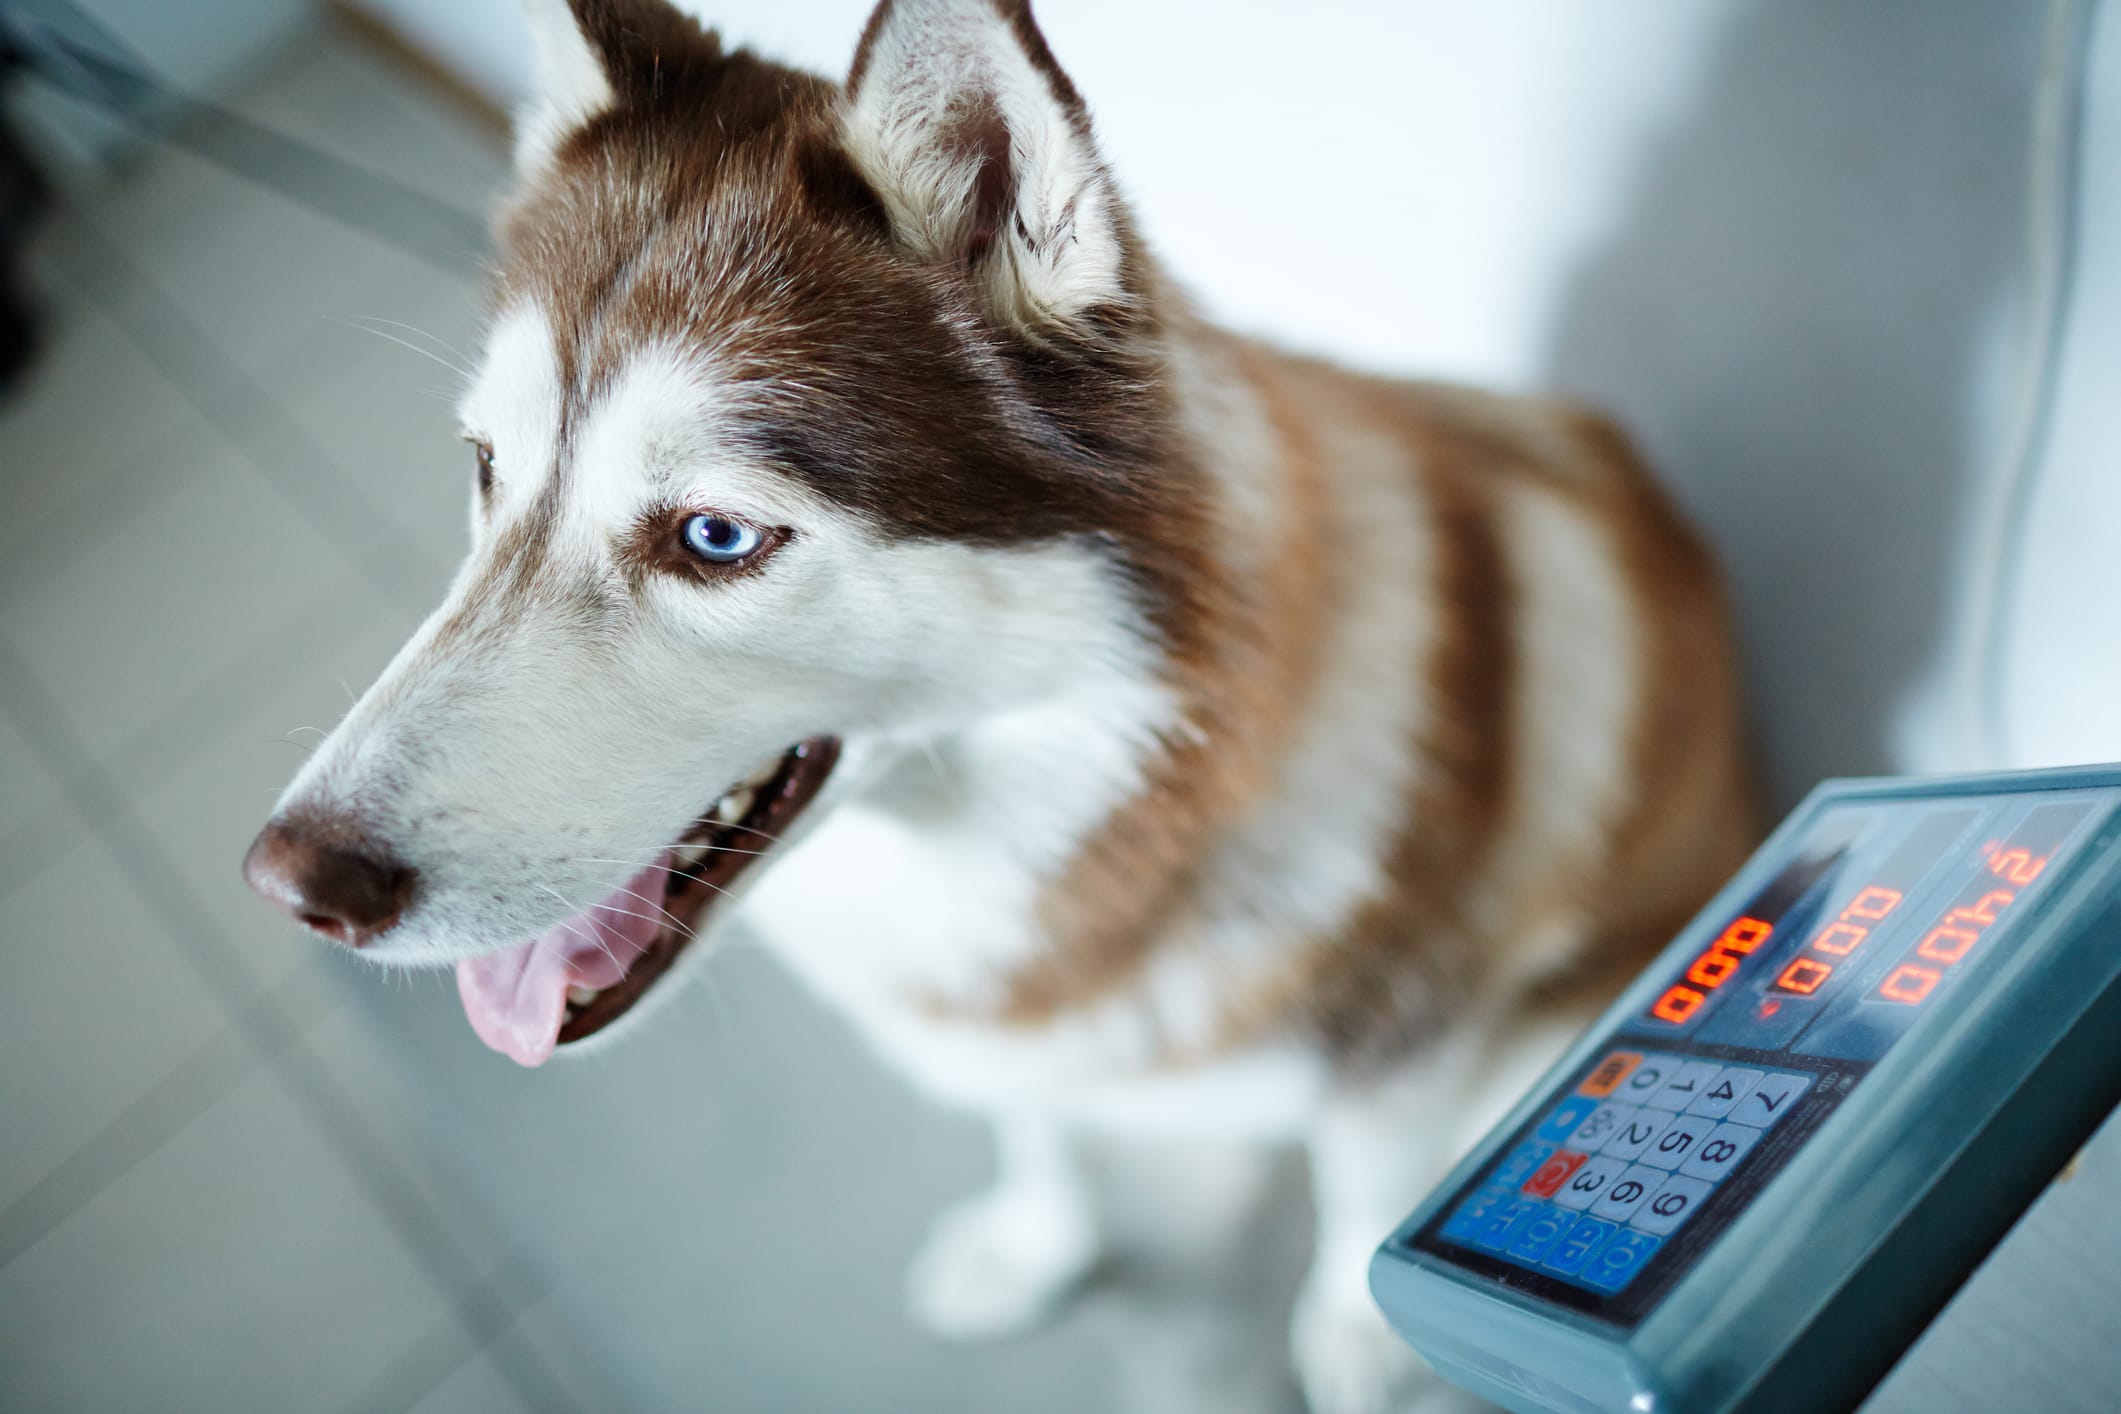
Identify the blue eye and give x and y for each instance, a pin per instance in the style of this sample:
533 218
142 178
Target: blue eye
719 540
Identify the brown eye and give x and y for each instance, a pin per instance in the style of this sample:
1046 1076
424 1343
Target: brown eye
485 453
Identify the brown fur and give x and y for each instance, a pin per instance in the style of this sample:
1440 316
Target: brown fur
714 205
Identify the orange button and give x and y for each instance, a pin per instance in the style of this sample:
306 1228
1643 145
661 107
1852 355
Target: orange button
1611 1071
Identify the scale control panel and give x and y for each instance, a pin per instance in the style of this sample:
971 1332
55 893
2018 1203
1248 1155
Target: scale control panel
1621 1164
1783 1146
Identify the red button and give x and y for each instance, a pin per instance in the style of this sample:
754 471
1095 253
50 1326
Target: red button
1553 1173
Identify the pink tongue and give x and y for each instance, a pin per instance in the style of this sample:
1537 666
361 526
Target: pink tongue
516 998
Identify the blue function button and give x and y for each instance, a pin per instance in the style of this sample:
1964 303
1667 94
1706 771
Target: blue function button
1626 1193
1774 1096
1687 1084
1530 1239
1676 1144
1647 1078
1636 1134
1576 1244
1672 1204
1603 1123
1724 1090
1473 1212
1715 1156
1588 1184
1614 1265
1493 1231
1566 1117
1522 1163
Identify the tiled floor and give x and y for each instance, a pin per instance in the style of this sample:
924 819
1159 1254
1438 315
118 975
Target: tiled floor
241 1174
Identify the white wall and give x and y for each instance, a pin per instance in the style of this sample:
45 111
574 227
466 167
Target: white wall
2062 657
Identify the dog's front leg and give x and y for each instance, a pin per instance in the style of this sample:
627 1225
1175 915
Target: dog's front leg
1372 1156
1007 1259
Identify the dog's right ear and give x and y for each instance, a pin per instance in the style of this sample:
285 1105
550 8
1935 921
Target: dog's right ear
588 56
569 83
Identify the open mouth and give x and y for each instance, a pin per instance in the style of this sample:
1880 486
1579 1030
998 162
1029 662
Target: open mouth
586 972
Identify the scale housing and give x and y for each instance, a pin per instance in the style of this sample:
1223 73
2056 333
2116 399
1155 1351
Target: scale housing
1911 1132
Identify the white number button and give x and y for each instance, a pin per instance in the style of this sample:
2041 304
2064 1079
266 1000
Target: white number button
1672 1147
1715 1156
1775 1096
1727 1089
1648 1078
1672 1204
1604 1122
1589 1183
1626 1193
1685 1086
1633 1137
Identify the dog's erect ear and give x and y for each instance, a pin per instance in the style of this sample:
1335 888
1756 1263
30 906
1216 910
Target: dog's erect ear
590 55
981 150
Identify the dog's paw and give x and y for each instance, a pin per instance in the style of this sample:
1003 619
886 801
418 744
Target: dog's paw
1347 1359
1000 1264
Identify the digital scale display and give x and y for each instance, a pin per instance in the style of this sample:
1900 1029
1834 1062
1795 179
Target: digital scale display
1805 994
1709 1090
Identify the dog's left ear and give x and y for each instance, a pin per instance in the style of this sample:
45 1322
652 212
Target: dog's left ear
980 147
589 56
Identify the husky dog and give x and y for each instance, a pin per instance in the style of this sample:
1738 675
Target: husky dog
1127 725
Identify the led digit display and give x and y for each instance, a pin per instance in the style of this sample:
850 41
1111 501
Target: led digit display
2000 875
1810 971
1717 964
1744 936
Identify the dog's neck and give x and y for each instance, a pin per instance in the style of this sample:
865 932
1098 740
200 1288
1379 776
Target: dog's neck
1113 794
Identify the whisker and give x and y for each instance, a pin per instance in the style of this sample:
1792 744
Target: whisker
361 322
568 923
667 869
427 334
676 921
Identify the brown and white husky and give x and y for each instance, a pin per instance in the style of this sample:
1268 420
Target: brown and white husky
1127 725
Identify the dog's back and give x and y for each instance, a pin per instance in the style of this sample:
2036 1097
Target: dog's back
1572 782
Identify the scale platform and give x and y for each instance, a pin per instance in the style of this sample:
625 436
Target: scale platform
1756 1178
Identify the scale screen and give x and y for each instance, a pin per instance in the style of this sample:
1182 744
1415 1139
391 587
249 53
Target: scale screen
1629 1170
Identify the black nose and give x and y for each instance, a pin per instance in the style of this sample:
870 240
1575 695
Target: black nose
328 877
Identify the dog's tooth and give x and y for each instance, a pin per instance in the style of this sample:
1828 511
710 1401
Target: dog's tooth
763 776
735 805
581 996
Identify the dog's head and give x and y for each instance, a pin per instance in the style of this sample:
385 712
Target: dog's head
815 421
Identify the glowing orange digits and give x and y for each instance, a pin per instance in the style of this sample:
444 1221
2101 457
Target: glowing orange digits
1677 1004
2017 865
1746 934
1712 968
1718 963
1984 911
1910 983
1948 945
1873 903
1962 926
1805 976
1840 939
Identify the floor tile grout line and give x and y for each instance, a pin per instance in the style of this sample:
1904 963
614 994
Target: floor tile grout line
31 555
196 365
213 1069
418 1226
406 1381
